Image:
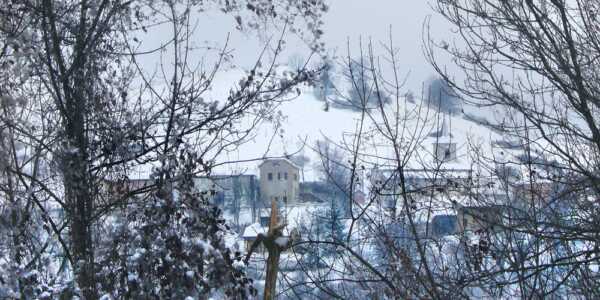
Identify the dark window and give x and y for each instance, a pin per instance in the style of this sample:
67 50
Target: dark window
285 199
445 151
264 221
447 154
285 175
270 176
278 176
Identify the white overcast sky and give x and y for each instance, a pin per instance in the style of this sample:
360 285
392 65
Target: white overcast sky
346 21
351 20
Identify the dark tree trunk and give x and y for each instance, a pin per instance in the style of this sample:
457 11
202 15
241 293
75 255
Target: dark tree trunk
78 199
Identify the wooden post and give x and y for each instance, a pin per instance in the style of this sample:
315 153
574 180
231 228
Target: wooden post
274 252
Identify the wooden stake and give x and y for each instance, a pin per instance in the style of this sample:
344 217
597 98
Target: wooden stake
274 251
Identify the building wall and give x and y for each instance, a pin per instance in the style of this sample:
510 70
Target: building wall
279 180
538 193
484 218
444 152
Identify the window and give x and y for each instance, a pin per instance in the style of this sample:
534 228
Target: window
444 151
264 221
278 175
285 175
285 199
296 177
270 176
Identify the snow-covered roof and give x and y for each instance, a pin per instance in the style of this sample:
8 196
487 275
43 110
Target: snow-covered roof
293 216
291 163
296 215
253 230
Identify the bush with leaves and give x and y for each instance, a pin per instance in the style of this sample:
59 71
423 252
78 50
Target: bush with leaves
174 244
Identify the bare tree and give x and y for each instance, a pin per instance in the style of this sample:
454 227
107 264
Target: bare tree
385 250
515 231
91 129
537 62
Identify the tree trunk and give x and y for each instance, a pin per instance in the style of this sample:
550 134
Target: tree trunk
79 202
274 252
77 184
272 270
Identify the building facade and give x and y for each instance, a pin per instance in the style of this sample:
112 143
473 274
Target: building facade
279 181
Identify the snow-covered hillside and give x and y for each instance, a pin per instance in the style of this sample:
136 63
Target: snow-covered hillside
304 121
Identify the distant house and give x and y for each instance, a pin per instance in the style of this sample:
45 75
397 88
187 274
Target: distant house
480 218
419 184
279 181
315 191
322 192
245 199
444 152
251 233
539 193
293 216
442 225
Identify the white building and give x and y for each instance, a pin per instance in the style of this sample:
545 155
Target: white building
279 181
